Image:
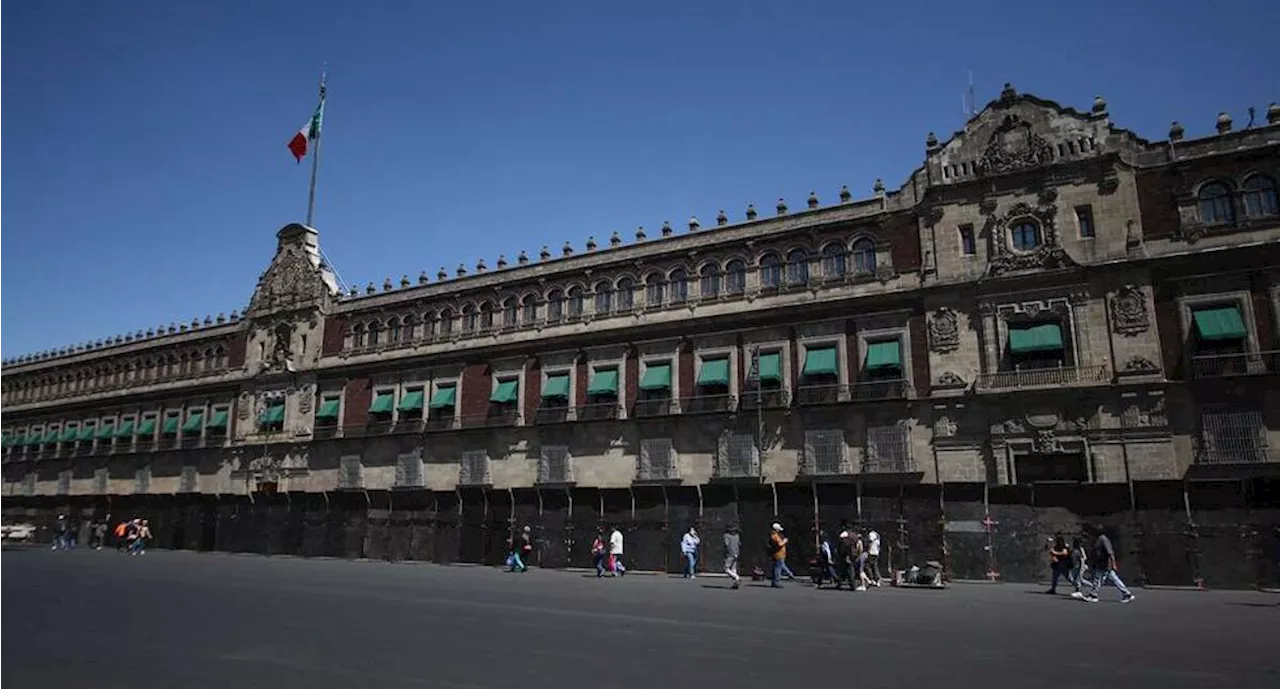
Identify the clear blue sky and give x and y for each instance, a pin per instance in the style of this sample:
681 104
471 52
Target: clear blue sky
145 170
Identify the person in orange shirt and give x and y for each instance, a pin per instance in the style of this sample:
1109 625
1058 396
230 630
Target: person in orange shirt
121 530
778 544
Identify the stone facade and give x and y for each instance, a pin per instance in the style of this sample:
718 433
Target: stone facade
869 342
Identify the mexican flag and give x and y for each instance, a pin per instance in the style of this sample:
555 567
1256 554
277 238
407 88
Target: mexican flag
310 132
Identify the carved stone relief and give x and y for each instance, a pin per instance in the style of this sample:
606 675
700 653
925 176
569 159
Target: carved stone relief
1045 442
943 425
1048 254
1129 315
291 281
949 379
305 395
944 331
246 406
1014 146
1145 413
1139 365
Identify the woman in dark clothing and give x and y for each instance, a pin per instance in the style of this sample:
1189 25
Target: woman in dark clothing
1059 562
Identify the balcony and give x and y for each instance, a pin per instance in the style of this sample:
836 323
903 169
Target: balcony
554 413
768 398
598 411
84 447
1241 364
494 418
326 431
708 404
880 390
663 406
443 422
1042 378
167 442
821 394
188 442
414 425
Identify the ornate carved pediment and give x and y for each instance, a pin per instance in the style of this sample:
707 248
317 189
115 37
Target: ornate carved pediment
294 280
944 331
1139 365
1129 314
950 380
1049 253
1014 146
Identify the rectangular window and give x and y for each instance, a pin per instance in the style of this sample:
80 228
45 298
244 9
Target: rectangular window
217 426
967 245
1084 220
327 411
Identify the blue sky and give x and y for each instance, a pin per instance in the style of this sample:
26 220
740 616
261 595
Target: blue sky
145 170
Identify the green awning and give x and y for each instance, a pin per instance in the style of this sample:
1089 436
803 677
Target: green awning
194 421
770 367
714 373
68 434
1219 323
106 430
33 438
604 382
147 428
412 401
86 432
6 441
882 355
821 361
328 409
50 436
219 419
445 397
1045 337
656 377
272 414
506 392
170 426
383 403
126 429
557 387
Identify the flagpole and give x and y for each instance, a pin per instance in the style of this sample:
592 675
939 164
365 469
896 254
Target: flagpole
315 160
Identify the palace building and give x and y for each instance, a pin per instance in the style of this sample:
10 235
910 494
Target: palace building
1052 320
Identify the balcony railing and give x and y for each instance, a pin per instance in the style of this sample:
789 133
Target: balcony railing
821 394
127 384
705 404
768 398
494 418
878 390
598 411
1242 364
654 407
446 421
326 431
188 442
84 447
1042 378
167 442
413 425
554 413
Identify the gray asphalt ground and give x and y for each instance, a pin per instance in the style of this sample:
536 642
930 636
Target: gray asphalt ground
174 619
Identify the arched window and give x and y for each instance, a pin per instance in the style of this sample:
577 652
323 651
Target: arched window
486 316
1259 196
1025 235
428 324
797 267
735 276
679 286
1215 204
529 304
626 294
510 312
833 261
770 271
576 302
864 257
393 329
709 285
220 357
555 306
410 328
375 333
357 335
604 298
654 293
446 322
469 319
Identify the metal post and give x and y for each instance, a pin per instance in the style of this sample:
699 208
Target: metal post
315 160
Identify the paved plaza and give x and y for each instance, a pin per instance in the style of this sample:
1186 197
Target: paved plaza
181 619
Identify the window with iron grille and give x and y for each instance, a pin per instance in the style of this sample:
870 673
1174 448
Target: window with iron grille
657 460
1232 437
64 482
349 472
554 465
824 452
475 468
142 480
888 449
189 481
737 456
100 477
409 471
29 484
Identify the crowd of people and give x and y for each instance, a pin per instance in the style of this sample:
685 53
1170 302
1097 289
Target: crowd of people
130 536
1087 570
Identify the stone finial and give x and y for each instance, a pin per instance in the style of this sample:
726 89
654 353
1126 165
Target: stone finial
481 266
422 278
812 200
502 261
693 223
128 337
878 187
235 316
751 211
354 292
567 249
370 289
208 319
781 207
182 327
1224 123
591 243
172 329
722 219
1176 131
931 142
522 259
1273 113
150 333
666 229
195 323
442 274
845 195
221 318
615 240
386 284
640 235
1099 105
404 282
1008 92
460 271
544 253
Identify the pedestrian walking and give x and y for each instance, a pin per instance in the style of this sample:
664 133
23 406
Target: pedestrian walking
99 534
873 556
1059 562
615 553
778 549
60 533
521 548
1104 568
689 550
860 557
1079 563
599 553
827 563
144 537
732 550
122 536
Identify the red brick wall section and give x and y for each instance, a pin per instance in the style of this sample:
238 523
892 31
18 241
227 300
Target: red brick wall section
334 329
796 360
684 387
356 399
1263 317
236 348
744 365
581 381
903 235
1170 328
532 381
477 386
1156 189
919 355
631 378
851 352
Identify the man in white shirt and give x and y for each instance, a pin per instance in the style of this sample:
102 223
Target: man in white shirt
873 559
615 552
